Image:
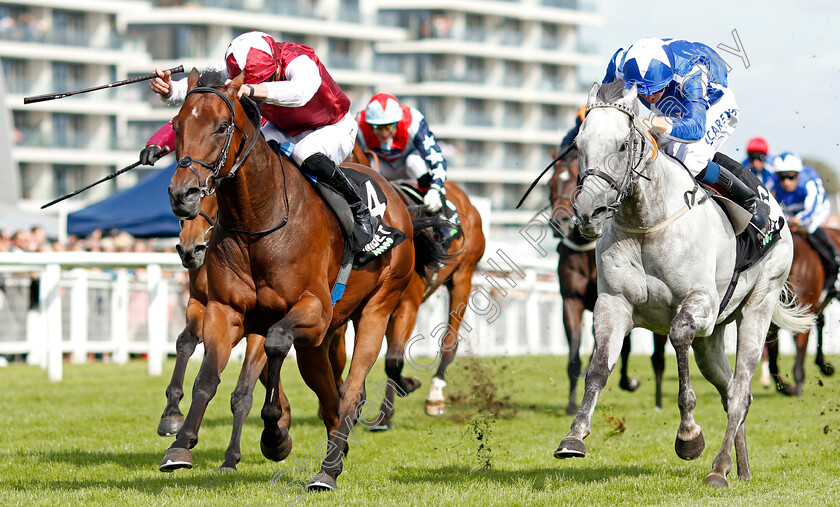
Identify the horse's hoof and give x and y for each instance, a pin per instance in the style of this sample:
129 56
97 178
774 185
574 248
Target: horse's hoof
382 426
690 449
570 448
827 369
169 425
322 482
227 469
629 384
278 453
411 384
175 458
785 388
435 408
715 479
571 408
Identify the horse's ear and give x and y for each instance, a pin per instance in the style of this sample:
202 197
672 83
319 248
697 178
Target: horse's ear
629 97
192 80
593 93
236 83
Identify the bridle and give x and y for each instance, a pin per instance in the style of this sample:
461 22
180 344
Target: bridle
239 157
636 142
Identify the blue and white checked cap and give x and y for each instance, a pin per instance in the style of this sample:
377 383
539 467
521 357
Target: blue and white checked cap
649 64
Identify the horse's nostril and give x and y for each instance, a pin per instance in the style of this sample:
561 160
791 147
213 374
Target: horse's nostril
193 194
199 250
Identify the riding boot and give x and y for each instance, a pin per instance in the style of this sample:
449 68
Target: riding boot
830 257
320 166
739 192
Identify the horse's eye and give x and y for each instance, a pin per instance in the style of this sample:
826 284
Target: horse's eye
623 147
222 128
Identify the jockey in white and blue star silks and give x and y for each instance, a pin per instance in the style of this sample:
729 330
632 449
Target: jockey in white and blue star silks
407 149
802 196
806 202
685 85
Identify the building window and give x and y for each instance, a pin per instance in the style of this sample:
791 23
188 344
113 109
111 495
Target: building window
341 55
68 131
68 27
513 115
475 157
475 72
513 74
68 76
15 72
67 178
474 29
477 114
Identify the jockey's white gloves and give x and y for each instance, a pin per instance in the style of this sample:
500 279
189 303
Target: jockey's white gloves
434 199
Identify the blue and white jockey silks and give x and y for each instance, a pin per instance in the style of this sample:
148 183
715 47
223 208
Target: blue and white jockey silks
768 179
807 201
700 107
410 154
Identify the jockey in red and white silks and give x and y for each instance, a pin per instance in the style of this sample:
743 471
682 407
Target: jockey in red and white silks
407 149
302 102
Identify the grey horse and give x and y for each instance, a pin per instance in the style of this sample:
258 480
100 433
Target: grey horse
665 257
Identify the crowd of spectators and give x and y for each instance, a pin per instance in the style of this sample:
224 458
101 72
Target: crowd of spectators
36 240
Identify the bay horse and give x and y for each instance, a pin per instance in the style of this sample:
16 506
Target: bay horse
272 258
578 277
665 261
456 274
192 247
807 278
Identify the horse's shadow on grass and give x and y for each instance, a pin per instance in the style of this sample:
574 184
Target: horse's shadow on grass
539 477
255 421
129 460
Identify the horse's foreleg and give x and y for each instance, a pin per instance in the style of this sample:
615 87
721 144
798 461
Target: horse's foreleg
222 328
243 397
275 442
369 333
172 418
772 346
459 292
696 312
826 368
572 313
613 320
627 383
658 361
399 328
752 328
801 340
311 361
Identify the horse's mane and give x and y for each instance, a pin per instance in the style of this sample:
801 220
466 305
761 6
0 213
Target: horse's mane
211 78
611 92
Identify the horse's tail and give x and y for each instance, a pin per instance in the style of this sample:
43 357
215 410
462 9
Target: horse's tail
428 239
789 314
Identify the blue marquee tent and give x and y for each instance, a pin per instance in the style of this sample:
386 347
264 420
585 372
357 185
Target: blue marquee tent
142 210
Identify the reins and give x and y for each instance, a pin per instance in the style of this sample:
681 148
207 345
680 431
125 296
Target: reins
239 158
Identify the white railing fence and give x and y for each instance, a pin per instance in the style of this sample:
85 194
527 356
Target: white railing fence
78 304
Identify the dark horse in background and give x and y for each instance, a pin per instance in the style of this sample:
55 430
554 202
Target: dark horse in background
455 273
579 283
271 264
807 278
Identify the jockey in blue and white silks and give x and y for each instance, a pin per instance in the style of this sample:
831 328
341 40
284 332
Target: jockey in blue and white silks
685 85
802 196
800 192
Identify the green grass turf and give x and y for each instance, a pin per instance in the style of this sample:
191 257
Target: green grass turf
91 439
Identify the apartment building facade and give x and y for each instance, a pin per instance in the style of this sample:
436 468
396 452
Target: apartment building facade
496 79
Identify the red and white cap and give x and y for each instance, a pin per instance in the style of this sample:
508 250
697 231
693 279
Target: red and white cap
383 109
253 54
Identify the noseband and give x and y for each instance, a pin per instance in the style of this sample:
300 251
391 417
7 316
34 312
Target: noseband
636 143
216 167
